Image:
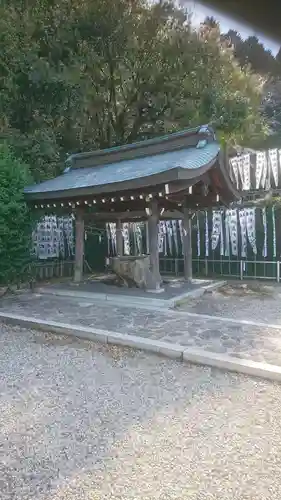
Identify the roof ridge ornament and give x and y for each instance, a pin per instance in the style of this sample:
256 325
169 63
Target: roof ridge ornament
204 129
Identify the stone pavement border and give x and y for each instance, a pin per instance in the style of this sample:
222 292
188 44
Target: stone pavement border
174 351
131 300
149 305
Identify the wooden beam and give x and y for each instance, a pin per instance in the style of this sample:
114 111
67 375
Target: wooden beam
147 236
134 216
153 220
79 246
123 216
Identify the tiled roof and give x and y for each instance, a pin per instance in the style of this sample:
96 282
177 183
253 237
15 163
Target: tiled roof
190 158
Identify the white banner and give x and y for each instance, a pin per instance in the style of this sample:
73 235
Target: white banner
243 228
126 237
175 235
234 165
273 162
216 229
274 231
246 172
251 227
264 250
227 234
161 236
240 169
260 164
206 235
198 237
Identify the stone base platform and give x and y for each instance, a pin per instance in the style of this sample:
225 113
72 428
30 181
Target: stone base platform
174 291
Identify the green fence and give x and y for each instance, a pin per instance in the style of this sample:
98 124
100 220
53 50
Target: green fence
205 263
211 262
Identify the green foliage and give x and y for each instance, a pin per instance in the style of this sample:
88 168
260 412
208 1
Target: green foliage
252 54
15 219
251 51
77 75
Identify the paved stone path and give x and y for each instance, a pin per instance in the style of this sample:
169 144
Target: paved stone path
256 301
244 341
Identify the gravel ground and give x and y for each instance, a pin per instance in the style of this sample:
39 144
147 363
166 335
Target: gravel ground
81 421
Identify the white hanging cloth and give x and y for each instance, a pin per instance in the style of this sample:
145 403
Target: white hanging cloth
175 236
234 166
216 228
198 236
69 231
136 230
56 237
206 235
221 236
161 236
227 234
139 238
126 237
274 231
251 228
232 220
42 239
231 236
246 164
50 236
243 228
264 250
66 239
132 230
112 227
169 232
108 238
265 176
273 163
61 238
240 169
260 165
164 229
181 231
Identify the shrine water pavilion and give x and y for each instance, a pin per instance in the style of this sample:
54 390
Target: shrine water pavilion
168 177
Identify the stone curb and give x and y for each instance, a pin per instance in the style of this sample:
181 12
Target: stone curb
151 306
105 336
55 327
174 351
229 363
198 292
123 300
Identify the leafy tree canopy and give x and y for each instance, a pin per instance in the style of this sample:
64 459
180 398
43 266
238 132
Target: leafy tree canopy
15 220
251 53
77 75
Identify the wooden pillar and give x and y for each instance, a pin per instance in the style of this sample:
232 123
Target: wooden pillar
119 238
153 220
147 237
79 246
187 244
